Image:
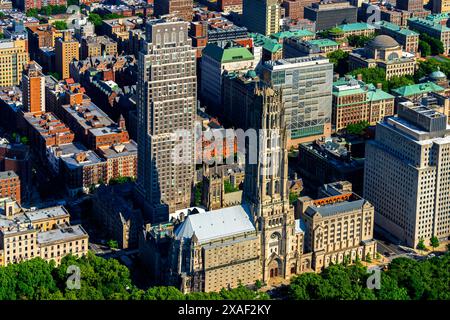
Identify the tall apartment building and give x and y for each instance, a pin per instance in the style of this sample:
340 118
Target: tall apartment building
167 97
262 16
33 88
13 57
180 8
66 50
306 85
407 174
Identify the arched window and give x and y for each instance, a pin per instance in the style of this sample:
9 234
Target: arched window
181 36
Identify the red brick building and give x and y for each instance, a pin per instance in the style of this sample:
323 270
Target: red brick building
10 185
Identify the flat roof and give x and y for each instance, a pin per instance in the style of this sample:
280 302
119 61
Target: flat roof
61 234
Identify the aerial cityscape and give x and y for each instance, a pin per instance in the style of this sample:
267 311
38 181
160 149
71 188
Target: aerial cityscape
224 150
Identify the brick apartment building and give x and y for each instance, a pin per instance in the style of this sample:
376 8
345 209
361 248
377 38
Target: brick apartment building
10 185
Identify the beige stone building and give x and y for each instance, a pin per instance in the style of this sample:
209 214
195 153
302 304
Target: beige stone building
339 227
94 46
13 57
384 52
66 49
44 233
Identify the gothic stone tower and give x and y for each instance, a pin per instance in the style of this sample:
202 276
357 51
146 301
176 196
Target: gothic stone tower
266 188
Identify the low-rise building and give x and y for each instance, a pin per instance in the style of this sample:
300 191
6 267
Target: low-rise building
433 29
332 160
407 38
46 130
94 46
44 233
114 210
386 53
355 101
339 228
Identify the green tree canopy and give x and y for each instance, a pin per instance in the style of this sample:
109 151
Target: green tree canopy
339 58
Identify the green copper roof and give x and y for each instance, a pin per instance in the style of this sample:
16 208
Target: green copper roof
356 26
428 24
267 43
373 94
225 55
438 17
292 34
395 28
323 42
378 94
419 88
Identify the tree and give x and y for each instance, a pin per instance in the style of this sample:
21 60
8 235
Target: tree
339 58
293 197
436 45
400 81
60 25
368 257
55 75
372 75
434 242
378 256
112 244
357 128
359 41
24 140
95 19
421 245
229 187
33 12
198 193
424 48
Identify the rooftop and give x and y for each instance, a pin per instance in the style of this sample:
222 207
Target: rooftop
227 54
431 24
119 150
61 234
8 175
267 43
419 88
356 26
216 224
395 28
323 42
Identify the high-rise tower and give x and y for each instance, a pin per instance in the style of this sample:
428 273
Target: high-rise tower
167 89
33 88
266 186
